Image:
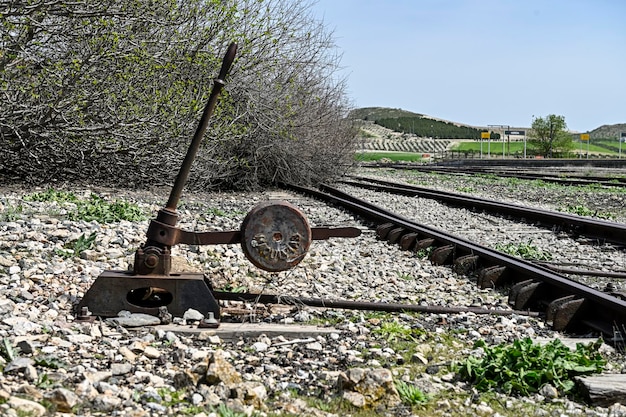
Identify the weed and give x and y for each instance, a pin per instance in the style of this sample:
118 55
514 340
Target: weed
393 331
524 367
223 411
582 210
52 195
234 288
524 250
75 247
425 252
7 351
96 208
410 394
465 189
49 362
405 276
43 381
11 214
216 212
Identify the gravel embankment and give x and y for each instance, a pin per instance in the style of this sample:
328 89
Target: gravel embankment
56 363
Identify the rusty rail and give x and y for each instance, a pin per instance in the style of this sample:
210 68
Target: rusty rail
364 305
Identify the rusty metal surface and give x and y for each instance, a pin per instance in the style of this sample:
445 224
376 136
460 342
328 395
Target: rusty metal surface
114 291
275 235
362 305
183 173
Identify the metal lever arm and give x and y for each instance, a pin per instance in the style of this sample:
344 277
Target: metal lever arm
170 235
183 174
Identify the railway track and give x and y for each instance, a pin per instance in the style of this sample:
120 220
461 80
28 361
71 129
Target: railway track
559 177
565 304
593 228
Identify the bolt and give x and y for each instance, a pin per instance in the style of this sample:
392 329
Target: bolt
209 322
85 314
151 261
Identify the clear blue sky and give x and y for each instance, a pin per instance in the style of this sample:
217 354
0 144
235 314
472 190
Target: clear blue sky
485 62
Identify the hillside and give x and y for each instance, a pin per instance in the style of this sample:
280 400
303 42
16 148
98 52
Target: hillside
608 131
372 114
412 124
376 113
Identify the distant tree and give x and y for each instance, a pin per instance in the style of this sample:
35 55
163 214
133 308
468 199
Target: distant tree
549 135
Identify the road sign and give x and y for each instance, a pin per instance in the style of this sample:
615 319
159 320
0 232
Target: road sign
515 132
584 136
485 135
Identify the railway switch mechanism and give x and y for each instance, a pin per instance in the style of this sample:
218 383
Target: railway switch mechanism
274 236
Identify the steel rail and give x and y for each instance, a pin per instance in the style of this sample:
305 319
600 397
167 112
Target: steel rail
568 305
571 180
595 228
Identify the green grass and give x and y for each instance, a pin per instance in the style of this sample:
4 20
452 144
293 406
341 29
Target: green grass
390 155
495 147
95 208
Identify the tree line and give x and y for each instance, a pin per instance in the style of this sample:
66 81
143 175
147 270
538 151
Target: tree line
425 127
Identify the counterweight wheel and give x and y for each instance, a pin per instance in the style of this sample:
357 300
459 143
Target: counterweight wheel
275 235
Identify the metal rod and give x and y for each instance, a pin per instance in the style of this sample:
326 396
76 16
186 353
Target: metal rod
363 305
183 174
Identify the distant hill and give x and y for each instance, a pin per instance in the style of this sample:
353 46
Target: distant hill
413 124
608 131
383 115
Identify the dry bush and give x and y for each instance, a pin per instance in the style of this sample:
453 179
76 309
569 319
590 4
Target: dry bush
110 92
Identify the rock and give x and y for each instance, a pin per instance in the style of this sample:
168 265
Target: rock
354 398
260 346
375 385
185 379
18 364
106 403
164 315
193 315
220 370
86 390
121 369
128 354
26 407
135 320
152 352
252 393
548 391
603 390
64 399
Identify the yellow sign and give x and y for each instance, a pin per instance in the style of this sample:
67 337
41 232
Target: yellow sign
584 136
485 135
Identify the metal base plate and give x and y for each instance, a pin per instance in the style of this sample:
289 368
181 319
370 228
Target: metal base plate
114 291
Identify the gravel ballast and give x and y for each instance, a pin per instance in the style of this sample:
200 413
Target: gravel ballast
55 364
